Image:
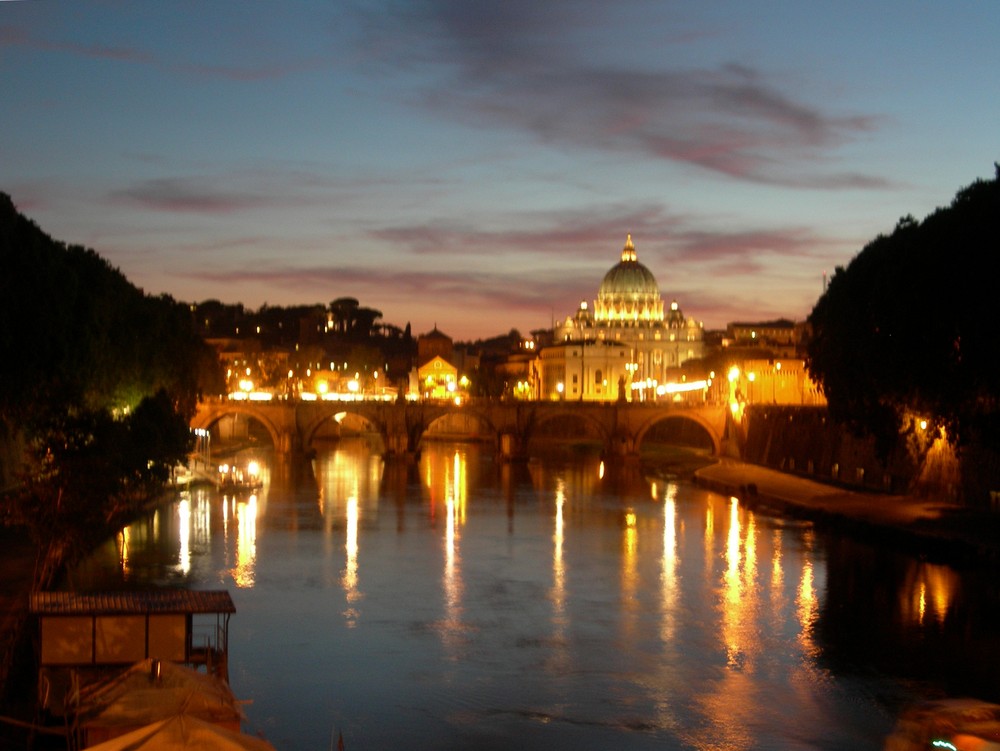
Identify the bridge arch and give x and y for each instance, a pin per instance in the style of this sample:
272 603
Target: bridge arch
596 427
315 423
682 419
467 413
209 415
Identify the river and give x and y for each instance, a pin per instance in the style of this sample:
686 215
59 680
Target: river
461 603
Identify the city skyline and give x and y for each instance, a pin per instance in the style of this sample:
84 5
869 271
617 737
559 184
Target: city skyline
478 166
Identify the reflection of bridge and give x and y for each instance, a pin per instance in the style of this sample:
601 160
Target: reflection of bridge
621 426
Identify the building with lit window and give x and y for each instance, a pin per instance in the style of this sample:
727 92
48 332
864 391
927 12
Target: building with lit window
628 345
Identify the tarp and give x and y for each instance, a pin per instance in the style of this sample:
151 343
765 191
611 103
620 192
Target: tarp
183 733
150 691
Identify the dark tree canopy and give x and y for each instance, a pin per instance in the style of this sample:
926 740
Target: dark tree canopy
75 333
97 383
909 327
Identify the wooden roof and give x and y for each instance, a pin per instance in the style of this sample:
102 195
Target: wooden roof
139 602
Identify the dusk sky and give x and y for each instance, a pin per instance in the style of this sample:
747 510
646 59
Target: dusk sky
478 165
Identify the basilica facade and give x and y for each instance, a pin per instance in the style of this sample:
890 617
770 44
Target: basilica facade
628 345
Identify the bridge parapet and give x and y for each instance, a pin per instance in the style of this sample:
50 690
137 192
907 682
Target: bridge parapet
293 424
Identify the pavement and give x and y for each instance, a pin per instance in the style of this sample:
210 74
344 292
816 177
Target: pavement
931 528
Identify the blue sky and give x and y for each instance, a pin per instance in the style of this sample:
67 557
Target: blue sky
477 165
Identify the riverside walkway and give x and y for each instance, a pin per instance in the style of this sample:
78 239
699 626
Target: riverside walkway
933 529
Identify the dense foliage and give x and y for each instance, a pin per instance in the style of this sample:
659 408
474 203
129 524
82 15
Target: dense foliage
97 382
908 328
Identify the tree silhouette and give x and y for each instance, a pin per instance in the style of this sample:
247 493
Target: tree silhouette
908 327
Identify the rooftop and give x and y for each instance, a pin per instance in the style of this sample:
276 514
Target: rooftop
138 602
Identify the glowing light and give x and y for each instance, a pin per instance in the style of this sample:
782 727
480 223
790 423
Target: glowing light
680 388
246 543
253 469
558 564
184 532
350 577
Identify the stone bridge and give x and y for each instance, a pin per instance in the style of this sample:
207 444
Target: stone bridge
621 426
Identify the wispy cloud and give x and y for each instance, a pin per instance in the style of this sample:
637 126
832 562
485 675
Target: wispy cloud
190 195
249 65
15 36
514 64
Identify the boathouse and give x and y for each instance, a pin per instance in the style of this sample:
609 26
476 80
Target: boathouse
84 634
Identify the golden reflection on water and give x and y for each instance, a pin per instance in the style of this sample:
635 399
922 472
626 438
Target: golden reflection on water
927 593
184 533
559 661
777 573
447 480
739 600
668 576
349 580
123 542
348 480
246 542
558 565
807 599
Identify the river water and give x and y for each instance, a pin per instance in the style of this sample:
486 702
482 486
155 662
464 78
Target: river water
461 603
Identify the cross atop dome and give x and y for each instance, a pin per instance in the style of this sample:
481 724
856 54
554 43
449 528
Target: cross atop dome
628 252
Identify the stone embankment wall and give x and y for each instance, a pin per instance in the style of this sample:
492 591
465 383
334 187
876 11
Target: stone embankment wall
804 441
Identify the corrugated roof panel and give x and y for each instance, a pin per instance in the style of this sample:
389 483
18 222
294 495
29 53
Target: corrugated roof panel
131 602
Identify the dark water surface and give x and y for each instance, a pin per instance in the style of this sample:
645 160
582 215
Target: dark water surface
458 603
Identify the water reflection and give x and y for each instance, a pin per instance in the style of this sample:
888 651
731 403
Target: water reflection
927 592
245 511
349 580
668 577
559 661
807 602
448 481
546 606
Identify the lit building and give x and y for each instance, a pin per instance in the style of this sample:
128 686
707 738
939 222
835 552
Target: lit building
782 337
437 379
627 346
436 376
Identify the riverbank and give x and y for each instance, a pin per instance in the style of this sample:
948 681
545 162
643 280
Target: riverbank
18 558
934 530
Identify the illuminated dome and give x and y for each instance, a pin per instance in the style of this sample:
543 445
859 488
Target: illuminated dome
629 292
